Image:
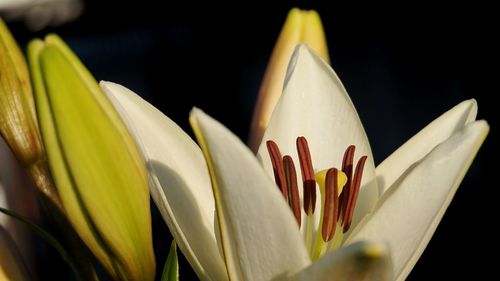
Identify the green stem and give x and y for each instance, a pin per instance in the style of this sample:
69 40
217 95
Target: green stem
48 238
52 206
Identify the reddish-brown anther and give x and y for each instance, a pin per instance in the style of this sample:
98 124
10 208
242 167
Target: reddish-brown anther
347 167
331 208
293 189
308 180
279 173
354 192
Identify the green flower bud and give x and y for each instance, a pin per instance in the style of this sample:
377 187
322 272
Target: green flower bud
97 167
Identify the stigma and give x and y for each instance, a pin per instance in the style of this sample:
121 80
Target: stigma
339 190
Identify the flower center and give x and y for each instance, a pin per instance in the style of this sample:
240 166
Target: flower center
339 191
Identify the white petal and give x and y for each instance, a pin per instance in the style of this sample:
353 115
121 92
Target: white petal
259 234
180 183
315 104
422 143
409 212
359 261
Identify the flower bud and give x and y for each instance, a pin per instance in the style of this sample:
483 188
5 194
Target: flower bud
300 27
18 124
98 170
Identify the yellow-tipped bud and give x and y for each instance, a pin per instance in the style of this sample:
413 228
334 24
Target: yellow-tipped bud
300 27
98 170
18 125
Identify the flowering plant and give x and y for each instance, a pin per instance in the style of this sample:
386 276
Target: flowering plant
92 151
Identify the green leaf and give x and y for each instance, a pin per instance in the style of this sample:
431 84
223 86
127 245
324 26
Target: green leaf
171 268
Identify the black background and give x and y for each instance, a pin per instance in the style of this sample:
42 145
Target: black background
403 66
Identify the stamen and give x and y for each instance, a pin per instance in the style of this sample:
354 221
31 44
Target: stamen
279 173
293 189
331 209
354 192
307 171
339 193
347 169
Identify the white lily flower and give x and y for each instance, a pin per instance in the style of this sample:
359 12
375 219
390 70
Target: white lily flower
420 177
231 221
260 238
